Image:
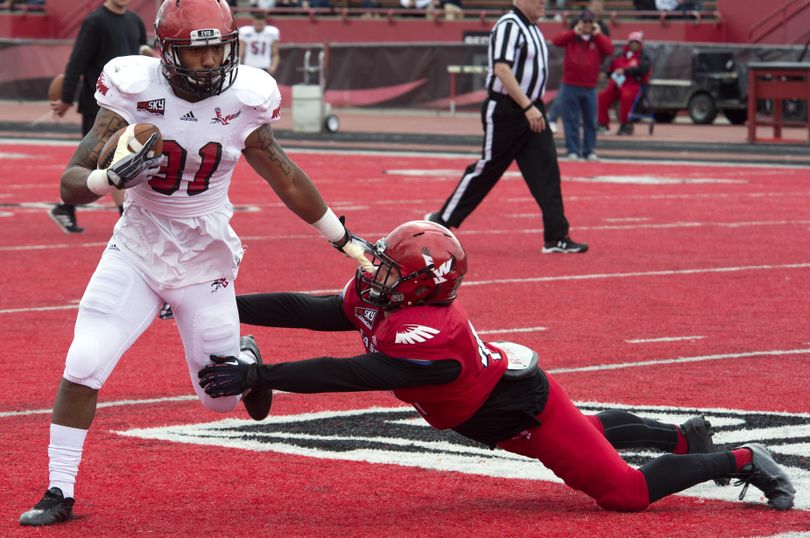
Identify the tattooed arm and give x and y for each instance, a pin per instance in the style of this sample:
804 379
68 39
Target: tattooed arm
73 185
289 182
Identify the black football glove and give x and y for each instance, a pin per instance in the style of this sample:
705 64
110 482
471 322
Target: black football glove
354 247
228 376
135 168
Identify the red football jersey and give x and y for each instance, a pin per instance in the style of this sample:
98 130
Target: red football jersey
431 333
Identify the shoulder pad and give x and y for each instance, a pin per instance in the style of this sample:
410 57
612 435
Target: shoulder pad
130 75
256 88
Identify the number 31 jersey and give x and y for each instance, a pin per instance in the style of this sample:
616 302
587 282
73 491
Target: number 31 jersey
202 141
176 227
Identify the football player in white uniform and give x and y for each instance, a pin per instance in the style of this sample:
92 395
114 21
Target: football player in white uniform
259 44
174 242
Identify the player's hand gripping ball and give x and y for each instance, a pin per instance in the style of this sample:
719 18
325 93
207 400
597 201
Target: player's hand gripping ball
132 155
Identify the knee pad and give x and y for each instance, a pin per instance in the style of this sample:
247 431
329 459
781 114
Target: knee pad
97 340
628 495
213 335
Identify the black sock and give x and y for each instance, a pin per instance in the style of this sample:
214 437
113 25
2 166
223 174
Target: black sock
626 430
672 473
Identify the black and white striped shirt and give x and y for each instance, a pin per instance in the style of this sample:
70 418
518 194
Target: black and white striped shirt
517 41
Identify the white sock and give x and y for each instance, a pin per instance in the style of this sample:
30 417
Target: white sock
65 453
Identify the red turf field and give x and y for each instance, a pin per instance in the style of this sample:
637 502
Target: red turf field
693 297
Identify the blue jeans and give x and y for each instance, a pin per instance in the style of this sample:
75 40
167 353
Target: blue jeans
579 107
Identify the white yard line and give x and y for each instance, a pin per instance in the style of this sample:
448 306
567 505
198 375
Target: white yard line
662 339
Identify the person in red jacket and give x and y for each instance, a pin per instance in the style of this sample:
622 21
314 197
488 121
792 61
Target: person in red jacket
628 72
585 47
420 343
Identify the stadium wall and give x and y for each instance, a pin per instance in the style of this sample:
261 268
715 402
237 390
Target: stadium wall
377 75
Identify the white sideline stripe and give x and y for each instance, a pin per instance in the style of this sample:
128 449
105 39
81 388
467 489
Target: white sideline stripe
681 360
39 309
515 330
594 276
774 352
447 155
663 339
300 237
668 272
118 403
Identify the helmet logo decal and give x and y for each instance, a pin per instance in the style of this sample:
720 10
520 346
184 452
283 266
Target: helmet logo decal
414 334
205 36
438 272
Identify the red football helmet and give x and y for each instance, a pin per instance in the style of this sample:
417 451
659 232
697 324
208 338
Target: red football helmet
197 23
430 264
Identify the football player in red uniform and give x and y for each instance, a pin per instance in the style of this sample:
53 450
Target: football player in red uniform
173 242
421 345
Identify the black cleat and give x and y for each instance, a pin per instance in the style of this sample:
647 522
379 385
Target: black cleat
65 217
565 246
767 476
257 402
698 433
53 508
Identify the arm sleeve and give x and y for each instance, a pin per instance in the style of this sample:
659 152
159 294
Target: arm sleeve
293 310
142 32
605 44
79 58
563 38
372 371
640 71
504 43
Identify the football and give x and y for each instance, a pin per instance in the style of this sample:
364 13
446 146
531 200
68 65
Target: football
139 134
55 89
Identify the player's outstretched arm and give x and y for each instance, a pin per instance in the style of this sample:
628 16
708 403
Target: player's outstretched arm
73 184
297 191
289 182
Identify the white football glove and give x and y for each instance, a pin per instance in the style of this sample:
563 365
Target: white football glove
354 247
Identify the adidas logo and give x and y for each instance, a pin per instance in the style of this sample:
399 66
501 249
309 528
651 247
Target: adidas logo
189 116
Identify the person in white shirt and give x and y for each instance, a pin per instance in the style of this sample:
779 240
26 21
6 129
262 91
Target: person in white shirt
259 44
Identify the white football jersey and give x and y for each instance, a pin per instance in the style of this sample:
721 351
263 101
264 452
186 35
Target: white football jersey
176 226
258 46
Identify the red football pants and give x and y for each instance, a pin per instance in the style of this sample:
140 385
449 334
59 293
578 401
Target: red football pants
625 94
574 447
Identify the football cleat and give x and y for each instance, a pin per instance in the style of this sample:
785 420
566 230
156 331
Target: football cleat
698 433
257 402
564 246
65 217
767 476
53 508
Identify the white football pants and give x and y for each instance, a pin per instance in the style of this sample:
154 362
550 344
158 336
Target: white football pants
120 303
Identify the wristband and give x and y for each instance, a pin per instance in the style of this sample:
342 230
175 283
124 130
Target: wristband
330 227
527 107
98 183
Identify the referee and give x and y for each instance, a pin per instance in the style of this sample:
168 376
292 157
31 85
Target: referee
515 128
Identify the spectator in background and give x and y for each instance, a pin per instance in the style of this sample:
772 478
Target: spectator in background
628 72
597 8
585 47
453 9
107 32
425 6
262 4
259 44
678 5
